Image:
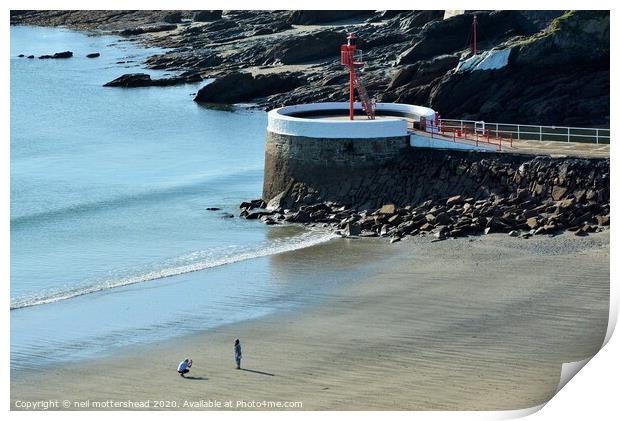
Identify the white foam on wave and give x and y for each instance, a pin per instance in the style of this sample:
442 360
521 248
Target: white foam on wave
276 247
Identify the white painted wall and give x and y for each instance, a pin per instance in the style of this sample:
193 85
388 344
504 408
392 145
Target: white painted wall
281 122
487 60
418 141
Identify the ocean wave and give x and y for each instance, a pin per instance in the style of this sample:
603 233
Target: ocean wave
126 199
275 247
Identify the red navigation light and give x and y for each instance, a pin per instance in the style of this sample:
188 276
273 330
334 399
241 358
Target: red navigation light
351 57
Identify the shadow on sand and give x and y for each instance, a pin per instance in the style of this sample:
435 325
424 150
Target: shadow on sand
196 378
257 372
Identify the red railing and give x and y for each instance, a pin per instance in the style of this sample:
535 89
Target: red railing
465 134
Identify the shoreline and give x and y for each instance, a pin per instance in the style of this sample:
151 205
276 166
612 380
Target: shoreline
473 323
441 333
225 45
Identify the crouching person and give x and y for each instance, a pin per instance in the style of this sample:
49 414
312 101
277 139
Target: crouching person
184 366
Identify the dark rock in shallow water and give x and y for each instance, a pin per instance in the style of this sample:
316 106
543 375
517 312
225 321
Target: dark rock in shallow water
64 54
137 80
258 214
213 209
207 15
93 55
131 80
30 56
253 204
21 55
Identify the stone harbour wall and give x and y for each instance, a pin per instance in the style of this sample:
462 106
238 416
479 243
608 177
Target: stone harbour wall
324 163
386 188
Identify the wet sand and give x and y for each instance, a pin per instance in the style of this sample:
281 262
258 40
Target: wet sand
480 323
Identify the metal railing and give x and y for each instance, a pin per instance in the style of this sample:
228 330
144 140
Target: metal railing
458 134
529 132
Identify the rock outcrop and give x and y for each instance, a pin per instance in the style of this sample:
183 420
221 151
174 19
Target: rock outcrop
138 80
300 49
557 71
561 74
313 17
174 17
240 87
148 29
207 15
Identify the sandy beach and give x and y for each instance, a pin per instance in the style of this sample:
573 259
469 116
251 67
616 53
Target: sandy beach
471 324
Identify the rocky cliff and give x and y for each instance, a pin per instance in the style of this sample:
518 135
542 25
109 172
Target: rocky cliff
557 71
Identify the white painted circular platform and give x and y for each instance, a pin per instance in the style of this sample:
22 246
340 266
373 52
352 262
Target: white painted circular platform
286 122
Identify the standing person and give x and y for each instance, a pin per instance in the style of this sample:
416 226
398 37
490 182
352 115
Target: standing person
184 366
238 353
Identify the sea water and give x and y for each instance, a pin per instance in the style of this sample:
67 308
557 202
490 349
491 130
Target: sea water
111 242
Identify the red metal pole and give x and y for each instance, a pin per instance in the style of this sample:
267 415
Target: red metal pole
475 31
352 87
